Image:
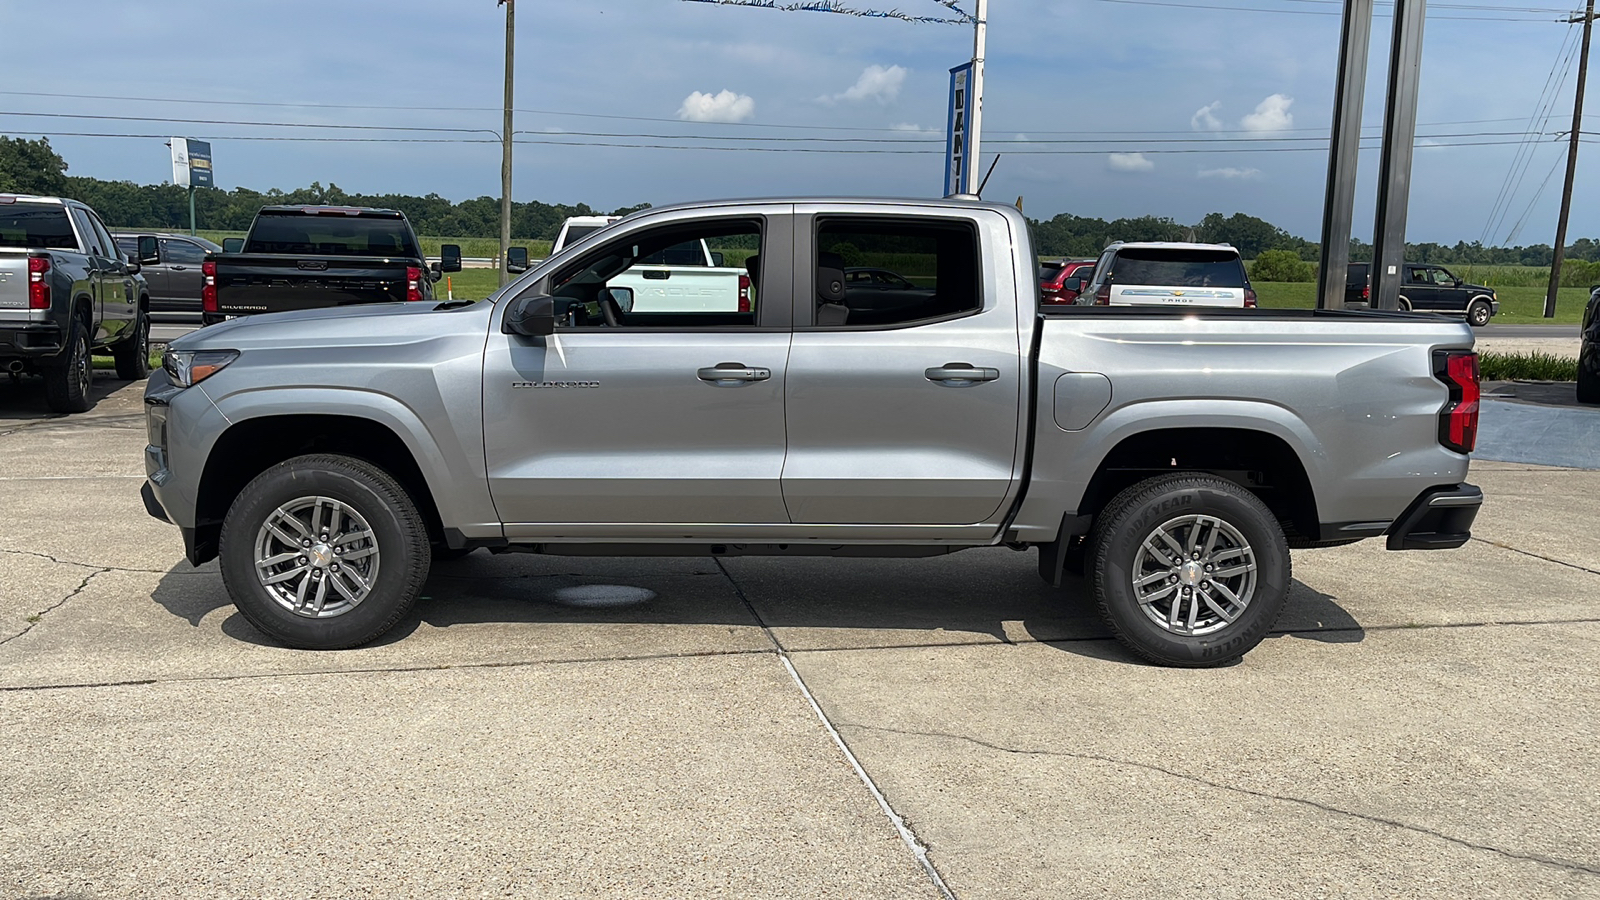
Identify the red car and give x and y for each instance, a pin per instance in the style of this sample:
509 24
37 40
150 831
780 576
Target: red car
1053 277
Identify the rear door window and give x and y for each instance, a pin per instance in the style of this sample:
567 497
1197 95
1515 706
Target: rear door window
922 270
182 253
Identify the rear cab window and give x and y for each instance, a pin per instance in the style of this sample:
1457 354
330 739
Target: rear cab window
36 226
332 234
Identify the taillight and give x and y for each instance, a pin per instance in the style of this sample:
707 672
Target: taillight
38 284
208 288
1366 292
744 293
1458 421
1249 299
1102 297
413 284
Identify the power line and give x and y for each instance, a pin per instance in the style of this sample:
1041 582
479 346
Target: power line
1517 228
1316 12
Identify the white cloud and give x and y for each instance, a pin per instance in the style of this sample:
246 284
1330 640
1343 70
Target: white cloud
1231 173
916 129
1021 138
723 107
1205 119
1272 114
876 83
1129 162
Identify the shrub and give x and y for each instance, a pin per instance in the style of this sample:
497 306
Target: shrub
1281 265
1526 367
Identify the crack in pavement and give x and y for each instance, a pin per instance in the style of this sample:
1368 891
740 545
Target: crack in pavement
38 617
73 562
1559 562
1541 859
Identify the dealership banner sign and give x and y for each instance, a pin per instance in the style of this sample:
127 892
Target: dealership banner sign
191 163
956 137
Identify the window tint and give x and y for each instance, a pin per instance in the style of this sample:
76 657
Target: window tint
334 234
919 270
1177 268
639 281
1048 271
90 239
104 235
36 225
182 253
127 243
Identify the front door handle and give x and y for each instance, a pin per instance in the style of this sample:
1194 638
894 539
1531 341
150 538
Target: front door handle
730 373
960 374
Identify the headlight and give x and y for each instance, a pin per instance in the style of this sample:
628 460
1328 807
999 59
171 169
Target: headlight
190 367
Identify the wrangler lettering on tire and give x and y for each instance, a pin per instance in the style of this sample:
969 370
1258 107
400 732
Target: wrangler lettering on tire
1189 569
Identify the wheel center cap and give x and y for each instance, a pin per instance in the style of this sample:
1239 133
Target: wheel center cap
321 554
1190 573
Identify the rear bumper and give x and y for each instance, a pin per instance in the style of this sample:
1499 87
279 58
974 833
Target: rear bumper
1439 519
29 341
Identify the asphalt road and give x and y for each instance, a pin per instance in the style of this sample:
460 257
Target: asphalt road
1494 329
1419 725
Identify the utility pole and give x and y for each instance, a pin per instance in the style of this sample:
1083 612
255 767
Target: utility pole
980 34
505 143
1572 164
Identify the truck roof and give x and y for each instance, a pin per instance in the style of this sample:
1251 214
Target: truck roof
32 198
311 210
1168 245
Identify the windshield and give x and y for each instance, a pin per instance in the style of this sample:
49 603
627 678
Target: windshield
39 226
1178 268
1048 271
334 235
576 233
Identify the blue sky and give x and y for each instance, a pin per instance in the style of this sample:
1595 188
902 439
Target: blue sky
1142 76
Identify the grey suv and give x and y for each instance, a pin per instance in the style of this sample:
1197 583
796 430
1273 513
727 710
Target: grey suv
175 280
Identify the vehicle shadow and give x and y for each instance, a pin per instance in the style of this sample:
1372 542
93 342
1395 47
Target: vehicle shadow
22 397
1562 394
979 596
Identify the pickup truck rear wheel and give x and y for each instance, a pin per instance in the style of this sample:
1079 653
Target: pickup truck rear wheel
132 356
1478 314
324 552
68 379
1189 570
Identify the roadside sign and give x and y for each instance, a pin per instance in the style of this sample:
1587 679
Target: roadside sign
957 143
191 163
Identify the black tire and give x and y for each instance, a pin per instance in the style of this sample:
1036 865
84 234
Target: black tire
132 353
1161 504
1588 384
366 492
69 379
1404 305
1478 314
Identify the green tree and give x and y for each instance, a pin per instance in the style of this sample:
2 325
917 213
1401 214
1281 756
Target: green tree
1280 265
31 167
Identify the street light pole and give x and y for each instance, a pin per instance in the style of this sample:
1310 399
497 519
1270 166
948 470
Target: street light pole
975 108
505 144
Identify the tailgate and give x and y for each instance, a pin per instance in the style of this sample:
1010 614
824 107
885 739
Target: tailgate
1161 295
14 285
257 283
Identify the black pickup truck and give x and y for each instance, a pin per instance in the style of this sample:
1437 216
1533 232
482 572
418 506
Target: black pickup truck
306 257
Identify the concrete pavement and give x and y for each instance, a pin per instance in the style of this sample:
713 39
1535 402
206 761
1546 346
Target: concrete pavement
1420 725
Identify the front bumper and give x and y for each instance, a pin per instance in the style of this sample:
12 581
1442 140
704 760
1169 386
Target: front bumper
1439 519
30 341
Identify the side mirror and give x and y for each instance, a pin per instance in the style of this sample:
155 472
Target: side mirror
533 315
623 297
149 254
716 259
449 257
517 259
830 285
232 245
133 264
1073 284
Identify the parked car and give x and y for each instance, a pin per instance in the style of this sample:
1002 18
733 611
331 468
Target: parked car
176 279
1429 288
306 257
1162 273
576 228
1053 277
332 451
66 292
1589 350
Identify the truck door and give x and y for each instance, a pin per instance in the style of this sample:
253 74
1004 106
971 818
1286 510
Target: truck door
625 417
1418 288
99 276
181 289
903 405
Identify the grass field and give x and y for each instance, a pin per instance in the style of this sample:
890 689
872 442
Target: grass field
1522 305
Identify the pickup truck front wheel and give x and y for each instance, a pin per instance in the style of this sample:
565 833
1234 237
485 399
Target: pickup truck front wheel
324 552
1189 570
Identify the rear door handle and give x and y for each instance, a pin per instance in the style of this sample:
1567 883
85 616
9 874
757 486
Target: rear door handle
960 374
732 373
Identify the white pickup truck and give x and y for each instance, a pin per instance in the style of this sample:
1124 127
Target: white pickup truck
684 278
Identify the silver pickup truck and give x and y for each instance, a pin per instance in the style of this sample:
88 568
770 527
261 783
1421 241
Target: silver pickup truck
1173 456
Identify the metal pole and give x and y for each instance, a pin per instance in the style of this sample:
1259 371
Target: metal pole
1572 167
975 107
505 145
1344 145
1394 172
191 210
